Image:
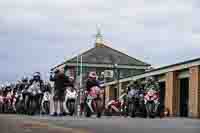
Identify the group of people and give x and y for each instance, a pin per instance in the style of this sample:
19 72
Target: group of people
61 82
11 94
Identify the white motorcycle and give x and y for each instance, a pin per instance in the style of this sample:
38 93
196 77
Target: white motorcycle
45 105
70 100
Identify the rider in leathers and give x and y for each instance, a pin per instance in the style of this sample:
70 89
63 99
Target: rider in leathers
91 82
151 83
23 87
37 79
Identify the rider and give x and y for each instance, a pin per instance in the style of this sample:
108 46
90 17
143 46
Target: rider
7 90
37 79
92 81
151 83
1 93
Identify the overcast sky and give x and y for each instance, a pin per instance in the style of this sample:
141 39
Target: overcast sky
35 35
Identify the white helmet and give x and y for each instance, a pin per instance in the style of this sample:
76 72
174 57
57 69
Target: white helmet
8 85
92 75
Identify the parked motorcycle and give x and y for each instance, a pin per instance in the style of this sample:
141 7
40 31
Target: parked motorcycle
118 106
34 97
151 100
94 102
136 103
19 102
46 102
70 100
1 104
7 103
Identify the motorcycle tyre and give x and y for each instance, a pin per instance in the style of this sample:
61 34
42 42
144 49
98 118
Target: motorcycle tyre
132 110
19 107
46 106
150 108
87 111
32 106
71 107
1 107
99 107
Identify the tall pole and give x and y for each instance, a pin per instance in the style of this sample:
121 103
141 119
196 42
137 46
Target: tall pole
81 71
77 67
80 87
77 70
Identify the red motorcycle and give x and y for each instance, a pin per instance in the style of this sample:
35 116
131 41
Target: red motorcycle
1 103
151 101
94 102
7 103
117 107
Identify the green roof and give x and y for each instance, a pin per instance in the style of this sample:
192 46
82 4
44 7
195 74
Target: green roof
105 55
102 54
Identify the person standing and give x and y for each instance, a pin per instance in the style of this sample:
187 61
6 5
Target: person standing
60 83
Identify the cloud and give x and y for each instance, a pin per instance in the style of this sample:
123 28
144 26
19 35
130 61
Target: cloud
36 35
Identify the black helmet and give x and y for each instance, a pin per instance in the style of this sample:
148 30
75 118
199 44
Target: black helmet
24 79
37 75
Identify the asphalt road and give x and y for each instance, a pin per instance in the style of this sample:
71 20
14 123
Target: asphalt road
46 124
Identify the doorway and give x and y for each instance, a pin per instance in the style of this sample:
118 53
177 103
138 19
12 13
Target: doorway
184 95
162 94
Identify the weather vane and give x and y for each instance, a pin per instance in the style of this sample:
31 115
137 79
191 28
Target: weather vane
99 37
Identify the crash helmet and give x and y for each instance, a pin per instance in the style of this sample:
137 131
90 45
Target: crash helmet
150 79
2 87
24 79
71 78
36 76
93 75
8 86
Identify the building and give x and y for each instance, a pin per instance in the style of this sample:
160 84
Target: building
103 59
179 87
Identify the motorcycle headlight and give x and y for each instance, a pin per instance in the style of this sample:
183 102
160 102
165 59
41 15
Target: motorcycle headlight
34 92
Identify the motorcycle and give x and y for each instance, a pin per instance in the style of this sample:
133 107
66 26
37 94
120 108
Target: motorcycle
118 106
46 102
34 98
1 104
151 101
19 102
94 102
70 100
136 103
7 103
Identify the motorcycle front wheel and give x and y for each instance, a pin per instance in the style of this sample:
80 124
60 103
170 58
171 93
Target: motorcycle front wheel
99 107
131 108
87 111
1 107
150 108
71 107
46 106
32 107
